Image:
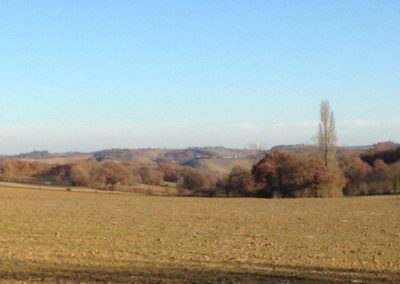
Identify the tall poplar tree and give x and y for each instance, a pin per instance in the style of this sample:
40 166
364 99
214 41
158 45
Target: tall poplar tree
327 137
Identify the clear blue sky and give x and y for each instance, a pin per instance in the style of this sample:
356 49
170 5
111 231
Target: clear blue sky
87 75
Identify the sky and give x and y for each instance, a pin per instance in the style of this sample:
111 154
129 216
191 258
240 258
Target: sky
91 75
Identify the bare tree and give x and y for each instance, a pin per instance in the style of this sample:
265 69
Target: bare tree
327 135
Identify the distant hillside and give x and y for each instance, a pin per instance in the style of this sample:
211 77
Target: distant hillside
34 155
146 156
49 158
208 158
40 155
293 148
223 165
169 155
218 159
312 148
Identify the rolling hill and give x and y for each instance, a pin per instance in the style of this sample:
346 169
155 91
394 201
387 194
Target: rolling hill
218 159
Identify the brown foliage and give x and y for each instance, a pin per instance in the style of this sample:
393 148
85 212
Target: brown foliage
193 180
171 172
150 175
389 155
363 179
239 182
21 168
277 174
290 175
356 172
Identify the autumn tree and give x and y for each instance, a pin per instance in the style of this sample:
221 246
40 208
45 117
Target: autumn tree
150 175
111 174
395 175
193 180
170 171
291 175
239 181
79 176
380 179
357 173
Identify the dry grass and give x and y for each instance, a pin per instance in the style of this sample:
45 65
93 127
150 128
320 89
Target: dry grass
57 236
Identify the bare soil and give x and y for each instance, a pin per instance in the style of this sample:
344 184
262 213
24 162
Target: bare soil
69 237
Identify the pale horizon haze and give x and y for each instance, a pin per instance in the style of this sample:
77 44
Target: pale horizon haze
92 75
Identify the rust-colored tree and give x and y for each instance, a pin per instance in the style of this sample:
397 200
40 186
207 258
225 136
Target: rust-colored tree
290 175
150 175
193 180
356 172
239 182
111 174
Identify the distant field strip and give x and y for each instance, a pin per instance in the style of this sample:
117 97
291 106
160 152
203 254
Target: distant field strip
43 187
141 189
62 236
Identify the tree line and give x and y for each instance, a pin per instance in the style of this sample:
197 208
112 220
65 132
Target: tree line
277 174
321 173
